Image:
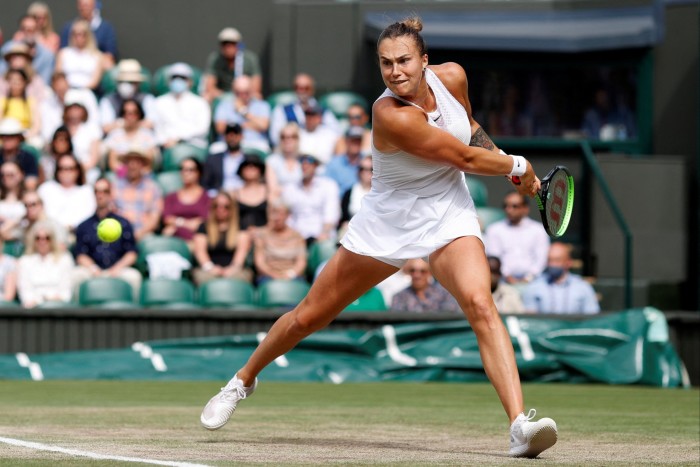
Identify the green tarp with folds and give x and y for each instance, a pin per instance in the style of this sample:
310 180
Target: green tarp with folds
629 347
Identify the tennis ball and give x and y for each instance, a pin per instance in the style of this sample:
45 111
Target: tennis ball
109 230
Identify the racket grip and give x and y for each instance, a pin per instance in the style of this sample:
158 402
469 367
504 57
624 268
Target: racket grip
515 179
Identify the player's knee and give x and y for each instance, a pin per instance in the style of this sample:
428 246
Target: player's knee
305 323
481 310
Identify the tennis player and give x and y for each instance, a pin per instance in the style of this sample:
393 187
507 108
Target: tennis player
423 139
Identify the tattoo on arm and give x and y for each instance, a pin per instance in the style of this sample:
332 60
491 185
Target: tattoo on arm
482 140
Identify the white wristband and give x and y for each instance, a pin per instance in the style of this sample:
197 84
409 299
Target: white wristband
519 166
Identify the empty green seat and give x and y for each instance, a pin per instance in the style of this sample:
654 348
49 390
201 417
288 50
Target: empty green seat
281 98
100 290
169 182
167 293
160 243
488 216
319 252
279 293
226 293
478 190
372 300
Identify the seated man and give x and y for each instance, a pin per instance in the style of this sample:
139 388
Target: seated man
557 290
95 258
424 295
505 296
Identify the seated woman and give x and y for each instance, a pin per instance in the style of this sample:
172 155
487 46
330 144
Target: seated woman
59 145
11 192
252 196
129 134
8 275
280 251
185 209
81 61
20 106
219 246
44 270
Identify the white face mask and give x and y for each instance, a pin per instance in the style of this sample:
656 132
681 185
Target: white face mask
126 90
178 85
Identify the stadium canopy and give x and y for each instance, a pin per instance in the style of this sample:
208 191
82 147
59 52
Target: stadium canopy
533 31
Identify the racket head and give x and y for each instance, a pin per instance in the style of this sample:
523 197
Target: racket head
555 200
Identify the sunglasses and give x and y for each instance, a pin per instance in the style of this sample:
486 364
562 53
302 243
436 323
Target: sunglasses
31 204
102 190
365 169
354 117
221 205
512 205
42 237
289 137
418 271
188 169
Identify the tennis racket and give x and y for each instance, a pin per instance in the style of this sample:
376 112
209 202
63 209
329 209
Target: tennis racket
555 200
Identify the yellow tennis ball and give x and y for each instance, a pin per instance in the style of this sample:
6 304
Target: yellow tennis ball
109 230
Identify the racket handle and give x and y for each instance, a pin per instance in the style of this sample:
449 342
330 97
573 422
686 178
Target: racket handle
515 179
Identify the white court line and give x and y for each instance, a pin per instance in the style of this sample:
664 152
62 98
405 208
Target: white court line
521 336
147 353
392 347
34 368
93 455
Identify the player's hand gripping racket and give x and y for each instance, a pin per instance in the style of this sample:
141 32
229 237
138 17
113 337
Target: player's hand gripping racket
555 200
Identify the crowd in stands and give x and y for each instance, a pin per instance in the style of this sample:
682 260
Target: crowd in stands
248 186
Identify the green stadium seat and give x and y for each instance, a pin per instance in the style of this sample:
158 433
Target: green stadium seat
34 151
13 248
226 293
173 156
281 98
169 182
255 152
478 190
371 301
6 304
159 243
488 216
318 253
57 304
167 293
98 291
339 102
160 80
281 293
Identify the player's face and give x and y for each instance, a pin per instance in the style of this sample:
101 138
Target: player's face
401 65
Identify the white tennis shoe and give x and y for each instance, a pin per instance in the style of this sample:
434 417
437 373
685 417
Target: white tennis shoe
529 439
220 407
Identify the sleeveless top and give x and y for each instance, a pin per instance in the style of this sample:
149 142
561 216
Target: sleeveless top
415 206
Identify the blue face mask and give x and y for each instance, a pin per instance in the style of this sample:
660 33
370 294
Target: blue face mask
554 273
178 85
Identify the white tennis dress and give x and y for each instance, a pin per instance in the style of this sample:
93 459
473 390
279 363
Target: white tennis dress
415 206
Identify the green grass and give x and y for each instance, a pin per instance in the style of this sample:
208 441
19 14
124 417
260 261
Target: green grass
379 423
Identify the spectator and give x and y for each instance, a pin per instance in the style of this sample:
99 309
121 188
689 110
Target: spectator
424 295
248 111
221 170
231 61
316 139
185 209
44 270
305 89
253 195
34 212
130 133
46 36
136 196
67 198
505 296
180 115
313 203
53 107
394 284
219 246
344 168
86 137
59 145
17 104
129 79
558 290
18 55
8 275
352 198
280 251
81 61
518 241
607 121
102 30
11 192
43 59
11 137
96 258
357 117
283 166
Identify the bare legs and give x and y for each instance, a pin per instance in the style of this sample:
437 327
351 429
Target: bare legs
346 277
461 267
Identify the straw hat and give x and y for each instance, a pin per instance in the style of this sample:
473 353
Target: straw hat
129 70
11 127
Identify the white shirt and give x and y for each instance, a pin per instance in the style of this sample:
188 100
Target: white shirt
319 143
313 206
231 180
42 278
186 118
521 248
70 206
51 110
